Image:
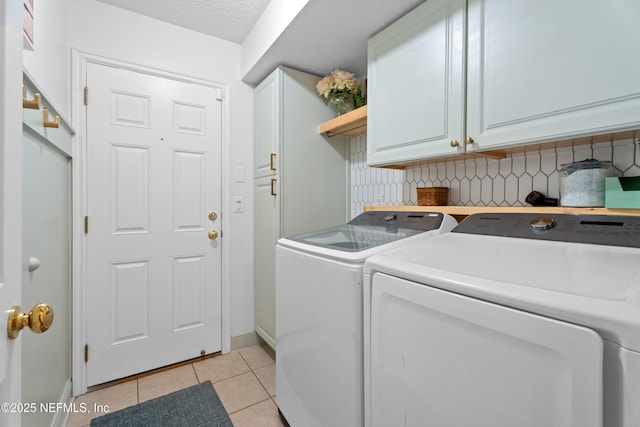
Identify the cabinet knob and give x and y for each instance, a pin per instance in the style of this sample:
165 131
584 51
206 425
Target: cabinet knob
468 140
454 143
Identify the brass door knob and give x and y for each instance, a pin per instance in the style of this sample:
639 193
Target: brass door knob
454 143
213 235
39 319
468 140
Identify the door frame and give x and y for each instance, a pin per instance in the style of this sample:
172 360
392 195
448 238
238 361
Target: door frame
79 196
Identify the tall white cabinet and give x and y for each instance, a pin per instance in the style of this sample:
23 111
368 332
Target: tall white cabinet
300 176
455 76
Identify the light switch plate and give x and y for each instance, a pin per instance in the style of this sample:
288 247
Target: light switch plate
238 204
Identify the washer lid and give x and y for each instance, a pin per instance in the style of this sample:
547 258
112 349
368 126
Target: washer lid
371 229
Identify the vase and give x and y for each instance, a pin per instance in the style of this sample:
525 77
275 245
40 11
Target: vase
341 103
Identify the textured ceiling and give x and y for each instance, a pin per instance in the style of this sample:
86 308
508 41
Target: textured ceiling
226 19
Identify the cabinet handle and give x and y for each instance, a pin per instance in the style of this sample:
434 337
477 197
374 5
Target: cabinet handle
468 140
454 143
273 187
271 159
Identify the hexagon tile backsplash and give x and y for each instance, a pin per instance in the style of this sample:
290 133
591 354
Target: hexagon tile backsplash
479 181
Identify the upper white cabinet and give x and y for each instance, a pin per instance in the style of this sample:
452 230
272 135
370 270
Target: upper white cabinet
416 84
551 70
267 126
524 72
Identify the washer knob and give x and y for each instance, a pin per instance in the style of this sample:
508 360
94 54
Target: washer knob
390 217
542 223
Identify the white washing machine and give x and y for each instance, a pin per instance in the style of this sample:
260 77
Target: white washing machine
512 320
319 277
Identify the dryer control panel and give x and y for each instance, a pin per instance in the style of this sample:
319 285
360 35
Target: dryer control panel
613 230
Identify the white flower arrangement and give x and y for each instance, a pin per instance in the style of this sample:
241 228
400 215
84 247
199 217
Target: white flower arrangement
341 84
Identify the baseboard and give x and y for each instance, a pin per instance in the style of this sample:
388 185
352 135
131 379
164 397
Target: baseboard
267 347
242 341
247 340
61 417
268 339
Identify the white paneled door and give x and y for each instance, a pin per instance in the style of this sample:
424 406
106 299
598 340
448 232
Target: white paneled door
154 260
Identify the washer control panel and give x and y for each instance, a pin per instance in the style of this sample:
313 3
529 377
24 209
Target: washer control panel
613 230
424 221
541 223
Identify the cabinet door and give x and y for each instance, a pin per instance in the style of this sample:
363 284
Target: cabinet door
266 234
416 85
546 70
267 125
314 170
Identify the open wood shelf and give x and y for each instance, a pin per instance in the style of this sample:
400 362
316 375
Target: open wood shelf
349 124
462 211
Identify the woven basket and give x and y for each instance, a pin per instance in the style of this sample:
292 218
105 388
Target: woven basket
433 196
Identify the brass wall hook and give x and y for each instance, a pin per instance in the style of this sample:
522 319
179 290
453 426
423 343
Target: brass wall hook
33 104
49 123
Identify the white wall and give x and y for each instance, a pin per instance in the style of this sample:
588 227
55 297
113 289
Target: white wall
104 30
47 62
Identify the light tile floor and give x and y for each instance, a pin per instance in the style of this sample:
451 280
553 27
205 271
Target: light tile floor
244 379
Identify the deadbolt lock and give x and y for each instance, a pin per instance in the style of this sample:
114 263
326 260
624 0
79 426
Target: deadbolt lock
213 216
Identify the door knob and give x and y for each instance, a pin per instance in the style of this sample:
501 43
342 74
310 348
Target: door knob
39 319
213 235
454 143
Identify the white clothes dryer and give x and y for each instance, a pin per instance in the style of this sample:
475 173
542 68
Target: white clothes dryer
512 320
319 277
